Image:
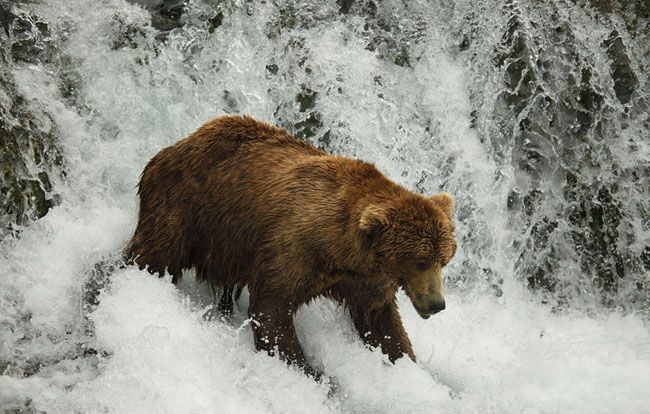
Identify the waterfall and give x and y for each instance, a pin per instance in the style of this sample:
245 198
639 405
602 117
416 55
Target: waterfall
534 115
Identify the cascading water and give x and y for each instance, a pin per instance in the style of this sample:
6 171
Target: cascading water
533 114
565 106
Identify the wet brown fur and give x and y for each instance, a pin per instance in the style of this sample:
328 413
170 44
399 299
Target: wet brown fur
245 203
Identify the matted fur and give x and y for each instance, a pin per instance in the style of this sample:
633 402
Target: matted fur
245 203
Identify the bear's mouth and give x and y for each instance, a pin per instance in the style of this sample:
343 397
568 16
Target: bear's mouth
423 314
425 305
426 312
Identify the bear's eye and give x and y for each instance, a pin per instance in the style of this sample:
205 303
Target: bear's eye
422 266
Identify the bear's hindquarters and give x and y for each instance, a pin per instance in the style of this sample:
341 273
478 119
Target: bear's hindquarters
160 243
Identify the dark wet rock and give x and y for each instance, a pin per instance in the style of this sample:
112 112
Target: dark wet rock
96 280
30 160
216 21
309 127
384 31
557 129
272 68
625 80
25 38
291 16
306 98
166 15
231 100
387 36
344 6
129 35
635 13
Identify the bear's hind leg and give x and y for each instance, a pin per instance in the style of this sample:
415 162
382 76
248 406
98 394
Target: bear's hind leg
226 303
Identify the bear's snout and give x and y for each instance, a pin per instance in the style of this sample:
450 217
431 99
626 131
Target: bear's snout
434 307
426 292
437 306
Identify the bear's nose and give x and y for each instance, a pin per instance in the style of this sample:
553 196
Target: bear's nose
437 307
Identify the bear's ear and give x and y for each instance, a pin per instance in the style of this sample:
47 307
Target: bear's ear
445 202
373 218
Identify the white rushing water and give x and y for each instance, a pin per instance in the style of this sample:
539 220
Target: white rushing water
147 347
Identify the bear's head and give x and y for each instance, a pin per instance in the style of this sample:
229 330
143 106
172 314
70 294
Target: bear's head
411 239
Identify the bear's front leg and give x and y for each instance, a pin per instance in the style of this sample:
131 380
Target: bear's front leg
274 331
382 326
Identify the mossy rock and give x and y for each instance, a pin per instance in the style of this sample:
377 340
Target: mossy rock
30 161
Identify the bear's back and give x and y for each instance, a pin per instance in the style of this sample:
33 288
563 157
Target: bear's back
222 138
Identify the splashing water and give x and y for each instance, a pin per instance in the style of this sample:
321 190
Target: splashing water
521 114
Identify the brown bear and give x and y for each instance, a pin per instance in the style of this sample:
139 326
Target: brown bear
246 204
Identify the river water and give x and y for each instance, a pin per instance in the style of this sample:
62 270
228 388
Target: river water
534 115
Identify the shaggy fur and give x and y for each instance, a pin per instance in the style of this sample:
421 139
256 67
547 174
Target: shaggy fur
245 203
